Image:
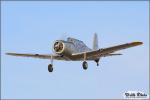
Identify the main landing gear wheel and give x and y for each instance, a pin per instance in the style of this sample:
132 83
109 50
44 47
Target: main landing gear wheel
50 68
85 65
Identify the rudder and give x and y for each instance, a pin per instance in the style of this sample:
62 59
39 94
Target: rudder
95 42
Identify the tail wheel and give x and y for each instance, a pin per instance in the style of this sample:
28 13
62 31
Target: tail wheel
97 62
50 68
85 65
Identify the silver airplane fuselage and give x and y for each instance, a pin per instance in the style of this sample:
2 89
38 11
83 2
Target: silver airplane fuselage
69 47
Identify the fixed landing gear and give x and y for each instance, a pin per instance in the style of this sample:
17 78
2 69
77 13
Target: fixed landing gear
50 68
97 62
85 65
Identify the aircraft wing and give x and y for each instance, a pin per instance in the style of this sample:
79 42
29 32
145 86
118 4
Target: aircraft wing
41 56
91 55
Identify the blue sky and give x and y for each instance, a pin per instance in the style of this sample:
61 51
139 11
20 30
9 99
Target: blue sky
32 27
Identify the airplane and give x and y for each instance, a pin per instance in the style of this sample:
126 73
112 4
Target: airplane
75 50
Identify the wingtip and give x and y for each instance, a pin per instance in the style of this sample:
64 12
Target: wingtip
137 43
9 53
6 53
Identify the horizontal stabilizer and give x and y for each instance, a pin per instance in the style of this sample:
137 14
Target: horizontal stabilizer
115 54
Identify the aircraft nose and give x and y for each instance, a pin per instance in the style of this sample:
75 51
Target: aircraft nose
58 46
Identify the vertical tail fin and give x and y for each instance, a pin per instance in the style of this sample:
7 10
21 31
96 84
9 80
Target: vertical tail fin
95 42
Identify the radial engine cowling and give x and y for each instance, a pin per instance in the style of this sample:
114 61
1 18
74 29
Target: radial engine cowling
62 47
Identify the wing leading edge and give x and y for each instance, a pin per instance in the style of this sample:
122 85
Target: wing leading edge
41 56
91 55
